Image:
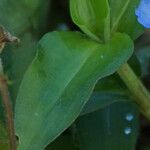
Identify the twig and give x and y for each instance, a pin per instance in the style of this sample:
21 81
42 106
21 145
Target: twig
8 109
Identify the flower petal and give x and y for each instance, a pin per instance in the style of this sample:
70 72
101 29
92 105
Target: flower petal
143 13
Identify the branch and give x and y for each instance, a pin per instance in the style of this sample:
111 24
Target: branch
8 109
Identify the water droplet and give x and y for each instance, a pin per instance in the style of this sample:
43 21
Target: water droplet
127 130
102 56
129 117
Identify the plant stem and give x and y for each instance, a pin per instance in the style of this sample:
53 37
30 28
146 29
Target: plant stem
141 94
8 108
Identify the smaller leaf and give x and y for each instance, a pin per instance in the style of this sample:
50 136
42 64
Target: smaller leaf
91 16
123 18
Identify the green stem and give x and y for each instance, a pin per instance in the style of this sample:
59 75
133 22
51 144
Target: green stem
141 94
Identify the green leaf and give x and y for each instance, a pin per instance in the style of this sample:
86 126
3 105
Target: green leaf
38 11
59 82
15 21
113 128
91 16
107 91
100 100
63 142
28 16
123 18
110 90
98 17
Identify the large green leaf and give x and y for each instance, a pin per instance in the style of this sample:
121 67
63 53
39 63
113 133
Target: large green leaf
91 16
99 131
110 90
112 128
59 82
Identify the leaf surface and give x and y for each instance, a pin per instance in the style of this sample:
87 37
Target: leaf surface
91 16
123 18
59 82
113 128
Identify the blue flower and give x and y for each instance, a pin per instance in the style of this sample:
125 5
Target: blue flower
143 13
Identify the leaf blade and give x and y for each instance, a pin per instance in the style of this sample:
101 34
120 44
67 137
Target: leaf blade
123 18
90 16
59 82
108 128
